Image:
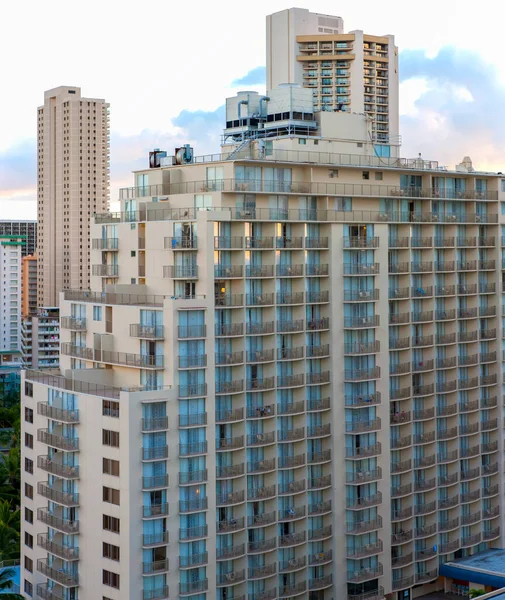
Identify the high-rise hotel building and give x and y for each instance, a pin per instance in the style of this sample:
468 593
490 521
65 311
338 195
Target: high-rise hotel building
353 71
72 185
285 381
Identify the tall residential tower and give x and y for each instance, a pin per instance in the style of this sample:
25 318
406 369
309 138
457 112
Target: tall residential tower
73 184
352 71
285 381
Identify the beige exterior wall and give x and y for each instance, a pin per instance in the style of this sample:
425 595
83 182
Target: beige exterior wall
373 465
354 70
73 184
29 284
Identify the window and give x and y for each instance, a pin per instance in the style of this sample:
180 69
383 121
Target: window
110 438
28 515
365 175
28 564
111 467
133 225
28 440
111 579
29 491
97 313
110 524
28 389
28 465
378 175
203 201
302 141
333 173
110 495
133 253
110 551
110 408
28 587
502 185
28 540
28 415
133 280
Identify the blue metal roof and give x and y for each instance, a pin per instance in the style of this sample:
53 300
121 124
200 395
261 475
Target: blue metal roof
486 568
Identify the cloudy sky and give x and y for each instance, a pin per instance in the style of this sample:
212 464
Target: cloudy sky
166 67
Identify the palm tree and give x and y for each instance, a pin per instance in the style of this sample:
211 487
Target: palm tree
6 579
10 476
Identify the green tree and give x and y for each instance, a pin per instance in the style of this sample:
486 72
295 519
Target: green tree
473 593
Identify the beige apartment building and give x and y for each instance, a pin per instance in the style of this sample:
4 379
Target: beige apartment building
72 185
352 71
285 381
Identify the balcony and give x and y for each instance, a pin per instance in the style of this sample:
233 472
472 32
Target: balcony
262 572
230 525
261 412
230 387
403 583
57 414
365 550
294 487
260 299
427 576
318 351
228 499
319 483
230 552
261 546
147 332
361 295
155 453
320 243
105 270
230 578
267 383
266 595
261 520
362 374
471 540
57 575
399 368
421 267
228 300
292 539
363 451
422 292
51 593
155 566
154 510
359 527
180 272
317 297
293 514
401 466
155 482
361 268
319 457
292 462
444 266
229 471
398 268
447 290
261 271
141 361
318 324
401 490
193 420
399 293
192 331
193 587
262 466
193 390
63 552
402 561
155 424
291 435
361 242
296 353
228 271
290 326
222 242
361 322
422 317
287 381
399 242
319 270
65 498
286 298
230 358
57 468
259 243
364 574
364 502
64 525
230 416
264 328
184 242
360 426
196 505
262 493
194 449
73 324
232 443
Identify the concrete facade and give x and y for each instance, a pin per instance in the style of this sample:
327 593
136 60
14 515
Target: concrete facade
284 382
352 71
73 184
